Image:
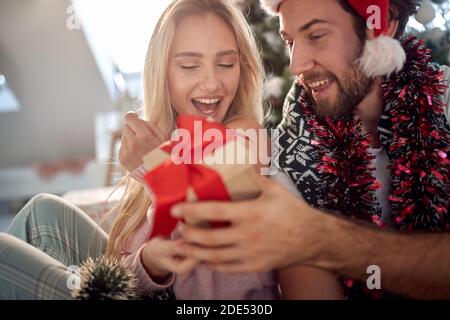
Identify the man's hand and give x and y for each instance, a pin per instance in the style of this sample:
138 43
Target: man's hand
139 138
270 232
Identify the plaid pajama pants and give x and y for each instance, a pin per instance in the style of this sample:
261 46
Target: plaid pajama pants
45 244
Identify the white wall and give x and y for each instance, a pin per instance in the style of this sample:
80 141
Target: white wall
54 75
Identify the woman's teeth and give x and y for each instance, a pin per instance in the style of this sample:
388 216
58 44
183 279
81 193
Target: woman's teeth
206 106
207 101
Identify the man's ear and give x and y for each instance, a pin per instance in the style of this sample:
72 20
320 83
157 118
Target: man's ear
391 32
392 28
393 22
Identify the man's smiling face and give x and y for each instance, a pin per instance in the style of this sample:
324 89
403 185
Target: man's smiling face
324 48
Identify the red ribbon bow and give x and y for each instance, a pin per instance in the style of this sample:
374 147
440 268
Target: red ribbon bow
170 181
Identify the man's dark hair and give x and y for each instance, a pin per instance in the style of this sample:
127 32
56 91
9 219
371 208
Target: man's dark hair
400 10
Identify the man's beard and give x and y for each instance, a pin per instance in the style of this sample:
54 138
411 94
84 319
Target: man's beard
353 87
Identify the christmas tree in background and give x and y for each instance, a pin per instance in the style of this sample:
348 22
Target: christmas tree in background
432 23
275 57
434 19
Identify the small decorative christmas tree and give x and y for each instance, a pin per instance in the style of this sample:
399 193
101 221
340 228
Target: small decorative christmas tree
105 279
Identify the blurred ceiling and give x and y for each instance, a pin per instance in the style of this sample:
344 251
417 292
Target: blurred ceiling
54 75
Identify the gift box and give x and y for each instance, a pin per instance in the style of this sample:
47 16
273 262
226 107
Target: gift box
175 174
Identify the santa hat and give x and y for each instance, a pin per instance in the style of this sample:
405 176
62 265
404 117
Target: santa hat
382 55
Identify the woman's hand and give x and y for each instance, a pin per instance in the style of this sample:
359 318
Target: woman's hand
139 138
162 257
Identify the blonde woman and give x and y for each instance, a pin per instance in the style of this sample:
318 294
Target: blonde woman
202 60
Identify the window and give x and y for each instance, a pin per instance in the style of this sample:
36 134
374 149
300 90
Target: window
119 30
8 101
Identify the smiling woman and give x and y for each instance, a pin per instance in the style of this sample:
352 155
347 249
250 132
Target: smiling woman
203 74
202 60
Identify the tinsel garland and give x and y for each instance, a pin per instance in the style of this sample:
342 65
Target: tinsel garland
419 144
416 136
345 162
413 130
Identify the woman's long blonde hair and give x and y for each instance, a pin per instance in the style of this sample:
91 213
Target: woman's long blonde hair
157 108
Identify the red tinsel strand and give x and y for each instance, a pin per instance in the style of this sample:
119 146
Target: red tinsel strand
417 146
349 185
419 143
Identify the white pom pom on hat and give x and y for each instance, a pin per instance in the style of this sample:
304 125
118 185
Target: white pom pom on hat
382 55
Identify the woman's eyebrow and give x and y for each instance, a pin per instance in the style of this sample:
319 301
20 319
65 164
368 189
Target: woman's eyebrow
189 54
199 55
228 53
